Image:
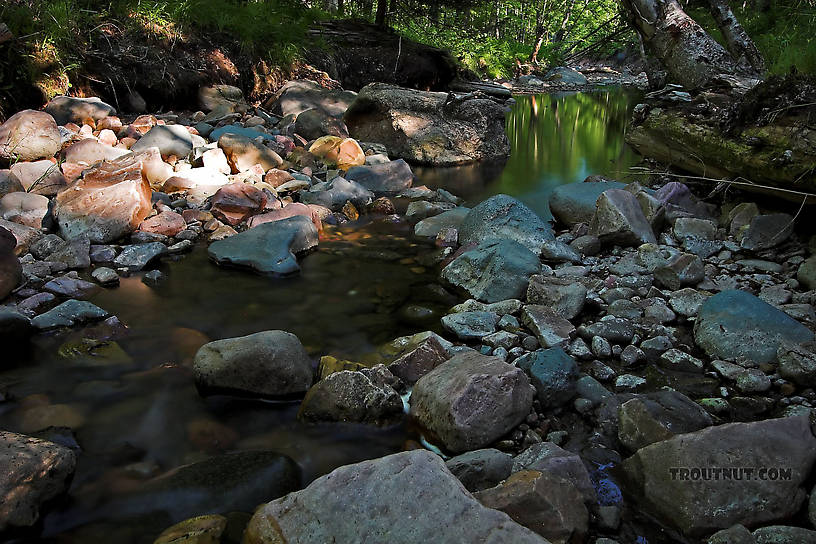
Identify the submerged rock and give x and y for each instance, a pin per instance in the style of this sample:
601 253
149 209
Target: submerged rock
410 497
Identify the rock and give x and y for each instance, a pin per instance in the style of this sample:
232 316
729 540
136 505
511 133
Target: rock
780 534
68 109
313 123
9 184
687 302
682 269
565 296
71 287
480 469
422 209
550 328
365 396
471 325
547 504
24 236
270 364
734 324
493 271
198 183
38 177
797 362
736 534
105 276
74 253
425 503
547 457
553 373
619 220
428 128
669 475
417 361
68 314
236 202
240 130
11 271
575 202
243 153
138 256
336 193
166 223
680 361
89 151
342 153
503 216
767 231
34 472
431 227
24 208
471 400
658 416
387 179
269 248
29 135
562 74
108 202
297 96
806 275
222 99
290 210
171 140
198 530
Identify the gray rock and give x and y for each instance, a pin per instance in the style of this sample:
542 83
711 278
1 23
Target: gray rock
565 296
781 534
69 286
418 359
430 227
736 534
269 364
238 130
807 273
619 220
493 271
557 251
416 499
503 216
138 256
34 472
336 193
687 302
471 325
797 362
767 231
734 324
547 457
588 245
297 96
553 373
422 209
105 276
682 269
575 202
567 75
471 400
269 248
170 139
550 328
69 314
69 109
387 179
668 474
615 329
480 469
313 123
680 361
365 396
658 416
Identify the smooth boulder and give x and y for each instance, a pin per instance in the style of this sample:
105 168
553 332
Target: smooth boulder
503 216
69 109
575 202
171 140
29 135
387 179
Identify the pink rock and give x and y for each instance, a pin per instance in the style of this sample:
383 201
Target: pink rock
107 137
215 158
108 202
243 153
72 171
168 223
29 136
112 123
291 210
86 130
142 124
276 178
236 202
90 151
24 208
40 177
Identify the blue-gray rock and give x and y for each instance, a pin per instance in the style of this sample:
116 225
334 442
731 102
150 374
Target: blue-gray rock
619 220
767 231
653 417
269 248
471 325
138 256
481 469
404 498
68 286
575 202
170 139
313 123
553 373
564 74
565 296
68 314
493 271
336 193
240 131
503 216
387 179
68 109
471 400
734 324
431 226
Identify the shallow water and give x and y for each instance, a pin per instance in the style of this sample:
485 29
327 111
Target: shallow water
136 412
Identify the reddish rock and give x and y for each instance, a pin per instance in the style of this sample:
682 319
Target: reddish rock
276 177
111 123
90 151
108 137
291 210
243 153
25 208
235 202
29 136
11 272
71 171
191 215
340 152
39 177
143 124
167 223
414 364
108 202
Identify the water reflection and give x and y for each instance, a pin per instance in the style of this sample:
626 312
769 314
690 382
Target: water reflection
555 139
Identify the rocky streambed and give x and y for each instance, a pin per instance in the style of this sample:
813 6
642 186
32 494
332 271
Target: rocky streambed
641 371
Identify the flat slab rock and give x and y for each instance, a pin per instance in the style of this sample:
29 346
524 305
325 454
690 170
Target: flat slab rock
404 498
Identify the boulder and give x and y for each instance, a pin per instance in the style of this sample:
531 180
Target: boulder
243 153
782 534
550 458
404 498
89 151
171 140
542 502
236 202
297 96
269 364
427 127
747 473
69 109
481 469
336 193
767 231
553 373
418 360
365 396
575 202
29 135
269 248
564 295
653 417
503 216
563 74
734 324
430 227
34 472
619 220
386 179
342 153
493 271
222 99
24 208
38 177
108 202
314 123
471 400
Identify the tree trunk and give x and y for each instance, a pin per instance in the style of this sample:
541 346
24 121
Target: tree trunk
563 28
540 30
736 40
382 10
689 54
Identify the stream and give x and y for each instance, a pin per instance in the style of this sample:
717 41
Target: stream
133 406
